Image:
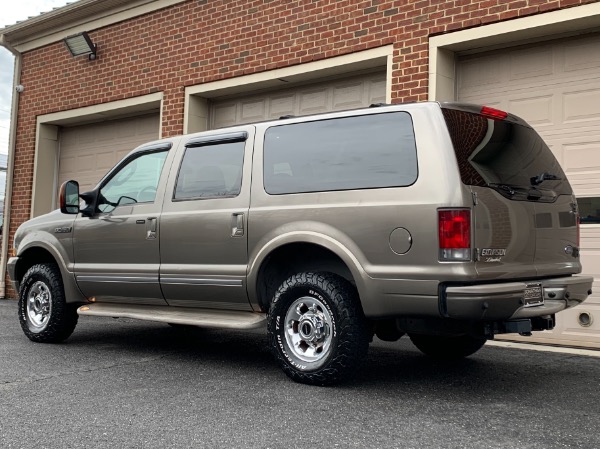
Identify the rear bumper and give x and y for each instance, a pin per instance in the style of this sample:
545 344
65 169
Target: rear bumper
504 301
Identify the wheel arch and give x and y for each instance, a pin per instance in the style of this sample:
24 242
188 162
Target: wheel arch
40 252
300 252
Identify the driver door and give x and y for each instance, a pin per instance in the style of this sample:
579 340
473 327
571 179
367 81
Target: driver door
117 249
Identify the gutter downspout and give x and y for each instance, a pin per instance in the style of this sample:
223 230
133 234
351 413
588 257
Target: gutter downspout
12 142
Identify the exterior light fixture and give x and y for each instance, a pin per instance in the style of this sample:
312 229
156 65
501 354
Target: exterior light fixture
81 44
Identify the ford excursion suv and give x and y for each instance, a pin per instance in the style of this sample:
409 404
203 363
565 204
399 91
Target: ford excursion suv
451 223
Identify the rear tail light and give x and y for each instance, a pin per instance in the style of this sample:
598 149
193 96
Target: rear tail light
494 114
454 229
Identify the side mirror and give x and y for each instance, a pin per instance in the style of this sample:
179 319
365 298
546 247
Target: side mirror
69 197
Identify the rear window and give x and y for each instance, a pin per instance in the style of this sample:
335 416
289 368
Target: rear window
361 152
502 153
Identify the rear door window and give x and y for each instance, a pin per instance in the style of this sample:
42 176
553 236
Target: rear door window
212 171
360 152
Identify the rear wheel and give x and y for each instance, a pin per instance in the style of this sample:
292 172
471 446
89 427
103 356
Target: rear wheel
447 348
317 329
44 315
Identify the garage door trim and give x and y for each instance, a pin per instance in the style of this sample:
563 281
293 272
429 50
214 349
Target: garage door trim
443 48
196 108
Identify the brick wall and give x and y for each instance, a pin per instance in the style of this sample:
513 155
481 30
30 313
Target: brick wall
202 40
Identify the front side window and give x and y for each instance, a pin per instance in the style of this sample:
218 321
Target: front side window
211 171
360 152
135 182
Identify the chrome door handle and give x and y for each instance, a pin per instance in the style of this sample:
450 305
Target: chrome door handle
237 224
151 228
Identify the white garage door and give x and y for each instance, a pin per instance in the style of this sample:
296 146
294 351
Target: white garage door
555 87
87 152
334 95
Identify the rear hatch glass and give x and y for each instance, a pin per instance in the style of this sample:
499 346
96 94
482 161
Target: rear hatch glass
505 155
525 214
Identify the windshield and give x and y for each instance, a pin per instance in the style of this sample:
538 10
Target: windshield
503 154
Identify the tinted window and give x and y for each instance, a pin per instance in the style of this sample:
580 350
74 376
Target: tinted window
361 152
493 152
211 171
135 182
589 209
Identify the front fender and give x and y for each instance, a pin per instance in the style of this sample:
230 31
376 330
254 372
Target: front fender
44 240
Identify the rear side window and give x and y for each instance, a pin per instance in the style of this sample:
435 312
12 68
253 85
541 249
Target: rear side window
362 152
213 171
502 153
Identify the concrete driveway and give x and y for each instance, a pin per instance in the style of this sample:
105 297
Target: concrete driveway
130 384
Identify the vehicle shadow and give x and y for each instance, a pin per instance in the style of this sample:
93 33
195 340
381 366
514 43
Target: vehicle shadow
396 368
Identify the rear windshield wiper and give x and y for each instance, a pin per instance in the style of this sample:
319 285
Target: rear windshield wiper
545 176
504 187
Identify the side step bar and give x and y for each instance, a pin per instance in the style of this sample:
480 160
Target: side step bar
178 315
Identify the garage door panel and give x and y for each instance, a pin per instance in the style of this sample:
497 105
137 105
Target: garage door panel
581 55
282 105
530 63
582 105
339 94
582 157
224 114
314 101
87 152
376 93
251 111
478 75
538 108
555 87
350 95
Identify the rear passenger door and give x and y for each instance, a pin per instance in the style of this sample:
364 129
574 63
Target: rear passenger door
203 240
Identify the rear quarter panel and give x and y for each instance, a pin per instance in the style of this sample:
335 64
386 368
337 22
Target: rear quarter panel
357 223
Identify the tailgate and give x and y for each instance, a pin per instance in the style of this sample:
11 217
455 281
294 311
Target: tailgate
525 216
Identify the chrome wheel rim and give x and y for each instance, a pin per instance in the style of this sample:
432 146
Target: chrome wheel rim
308 329
39 305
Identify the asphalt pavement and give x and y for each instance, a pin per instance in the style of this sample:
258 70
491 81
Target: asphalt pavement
132 384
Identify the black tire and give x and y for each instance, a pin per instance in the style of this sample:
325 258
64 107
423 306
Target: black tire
447 347
44 315
319 301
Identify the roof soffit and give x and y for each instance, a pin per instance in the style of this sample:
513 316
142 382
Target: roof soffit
75 17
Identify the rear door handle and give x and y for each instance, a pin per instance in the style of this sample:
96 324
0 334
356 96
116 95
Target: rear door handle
237 224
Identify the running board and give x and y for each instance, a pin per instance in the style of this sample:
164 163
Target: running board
178 315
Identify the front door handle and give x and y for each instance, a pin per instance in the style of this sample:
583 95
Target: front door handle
237 224
151 228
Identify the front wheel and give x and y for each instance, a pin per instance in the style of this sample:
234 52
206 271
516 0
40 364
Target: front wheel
44 315
447 348
317 329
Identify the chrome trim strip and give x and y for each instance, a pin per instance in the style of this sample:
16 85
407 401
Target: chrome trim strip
132 279
203 281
